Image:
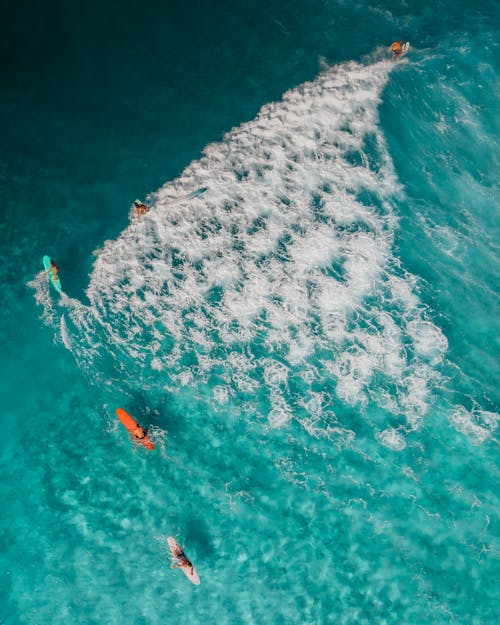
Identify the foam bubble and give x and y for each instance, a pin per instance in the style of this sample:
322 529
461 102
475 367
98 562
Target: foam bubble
279 415
428 340
392 439
477 425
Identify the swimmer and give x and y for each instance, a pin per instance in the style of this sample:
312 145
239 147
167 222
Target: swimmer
140 208
139 432
53 270
396 47
182 561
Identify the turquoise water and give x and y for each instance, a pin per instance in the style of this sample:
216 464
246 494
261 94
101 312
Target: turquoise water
313 341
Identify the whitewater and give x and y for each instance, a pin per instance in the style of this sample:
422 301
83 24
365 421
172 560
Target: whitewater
280 281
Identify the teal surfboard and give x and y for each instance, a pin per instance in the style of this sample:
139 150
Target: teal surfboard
55 283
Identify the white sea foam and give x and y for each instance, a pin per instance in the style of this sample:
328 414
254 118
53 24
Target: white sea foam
283 269
477 425
40 285
392 438
428 340
280 412
64 334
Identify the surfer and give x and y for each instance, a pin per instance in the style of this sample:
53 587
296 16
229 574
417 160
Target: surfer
140 208
139 432
396 47
53 269
182 561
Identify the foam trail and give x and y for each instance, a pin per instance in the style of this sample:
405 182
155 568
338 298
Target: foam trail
64 334
43 297
280 276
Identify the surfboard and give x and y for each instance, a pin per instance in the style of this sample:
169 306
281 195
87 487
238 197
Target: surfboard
198 192
55 283
192 575
130 423
185 198
405 48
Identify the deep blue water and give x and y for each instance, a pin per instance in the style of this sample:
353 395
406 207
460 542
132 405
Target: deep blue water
313 341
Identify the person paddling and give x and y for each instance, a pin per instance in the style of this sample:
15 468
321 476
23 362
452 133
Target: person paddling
139 432
182 561
53 269
140 208
396 47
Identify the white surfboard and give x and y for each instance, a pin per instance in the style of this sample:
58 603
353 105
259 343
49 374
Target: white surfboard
184 198
191 574
406 47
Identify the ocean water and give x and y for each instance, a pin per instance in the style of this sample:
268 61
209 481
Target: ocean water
313 341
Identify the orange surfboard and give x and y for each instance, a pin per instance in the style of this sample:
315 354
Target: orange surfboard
131 424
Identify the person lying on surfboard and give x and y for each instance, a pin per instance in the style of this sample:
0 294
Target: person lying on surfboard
53 270
139 432
140 208
396 47
182 561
